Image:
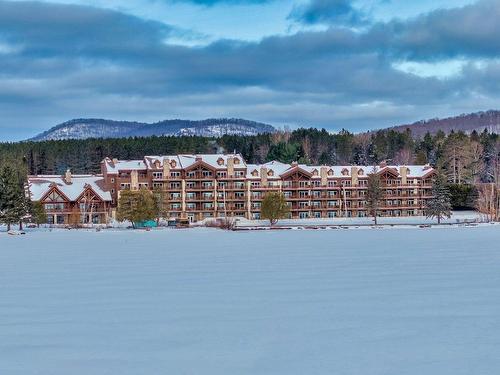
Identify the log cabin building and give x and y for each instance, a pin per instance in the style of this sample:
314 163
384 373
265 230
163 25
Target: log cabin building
71 199
219 185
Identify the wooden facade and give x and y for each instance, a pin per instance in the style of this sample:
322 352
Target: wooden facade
204 186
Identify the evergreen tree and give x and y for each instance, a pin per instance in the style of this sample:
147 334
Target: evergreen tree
12 197
274 207
136 206
440 204
374 194
38 214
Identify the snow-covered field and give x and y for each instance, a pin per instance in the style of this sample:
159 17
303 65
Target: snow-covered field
202 301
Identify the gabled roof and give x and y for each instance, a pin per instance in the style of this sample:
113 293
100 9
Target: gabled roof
39 186
297 169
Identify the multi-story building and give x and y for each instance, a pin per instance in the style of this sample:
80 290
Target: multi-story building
71 199
203 186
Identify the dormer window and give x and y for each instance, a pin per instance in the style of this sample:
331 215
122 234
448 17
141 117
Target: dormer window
345 172
255 173
220 161
315 172
157 164
173 164
236 161
270 173
361 172
330 172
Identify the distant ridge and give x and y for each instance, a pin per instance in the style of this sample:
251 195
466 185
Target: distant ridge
100 128
467 123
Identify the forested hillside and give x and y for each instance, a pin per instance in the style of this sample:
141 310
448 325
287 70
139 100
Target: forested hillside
466 158
467 123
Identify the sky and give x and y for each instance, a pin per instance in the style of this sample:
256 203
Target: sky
353 64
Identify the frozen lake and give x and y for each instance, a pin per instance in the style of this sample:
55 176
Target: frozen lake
367 302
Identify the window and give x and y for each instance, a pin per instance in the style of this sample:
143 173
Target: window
239 174
125 186
239 185
157 185
206 174
54 206
221 174
175 185
303 184
332 214
113 180
157 175
175 174
303 215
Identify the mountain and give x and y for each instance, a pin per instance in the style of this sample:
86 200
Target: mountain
99 128
467 123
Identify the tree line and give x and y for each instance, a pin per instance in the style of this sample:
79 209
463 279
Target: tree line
466 159
470 162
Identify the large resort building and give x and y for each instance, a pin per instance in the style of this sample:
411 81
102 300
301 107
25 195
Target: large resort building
196 187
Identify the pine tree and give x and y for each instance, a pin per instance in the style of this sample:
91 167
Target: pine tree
374 194
38 214
440 204
274 207
12 198
136 206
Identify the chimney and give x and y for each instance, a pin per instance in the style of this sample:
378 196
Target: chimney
166 168
68 177
198 158
383 164
354 176
263 176
134 180
115 161
294 164
230 166
324 175
403 171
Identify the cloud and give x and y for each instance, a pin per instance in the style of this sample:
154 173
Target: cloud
64 61
336 12
225 2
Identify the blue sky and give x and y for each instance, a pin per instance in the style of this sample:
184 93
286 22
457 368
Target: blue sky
325 63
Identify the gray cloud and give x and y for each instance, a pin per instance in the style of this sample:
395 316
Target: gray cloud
339 12
74 61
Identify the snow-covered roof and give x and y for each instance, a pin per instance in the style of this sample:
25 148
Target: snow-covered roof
113 166
274 168
38 186
279 169
213 160
183 161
